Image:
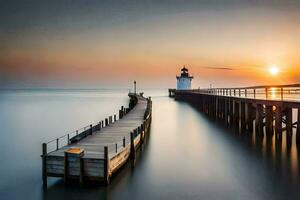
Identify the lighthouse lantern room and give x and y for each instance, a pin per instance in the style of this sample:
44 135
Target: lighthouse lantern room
184 81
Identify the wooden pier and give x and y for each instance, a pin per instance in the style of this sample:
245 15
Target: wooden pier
266 110
96 152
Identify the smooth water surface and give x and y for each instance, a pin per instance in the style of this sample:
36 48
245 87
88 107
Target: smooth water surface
186 156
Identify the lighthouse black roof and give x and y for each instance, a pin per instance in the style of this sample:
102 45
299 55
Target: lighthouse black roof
184 69
184 73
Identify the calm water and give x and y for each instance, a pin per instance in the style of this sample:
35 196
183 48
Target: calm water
187 156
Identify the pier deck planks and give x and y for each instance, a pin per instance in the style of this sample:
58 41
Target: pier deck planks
93 145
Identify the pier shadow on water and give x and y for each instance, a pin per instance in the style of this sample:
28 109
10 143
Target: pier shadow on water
279 158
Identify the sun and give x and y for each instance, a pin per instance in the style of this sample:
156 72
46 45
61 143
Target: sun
273 70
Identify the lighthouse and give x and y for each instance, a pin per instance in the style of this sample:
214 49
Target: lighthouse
184 81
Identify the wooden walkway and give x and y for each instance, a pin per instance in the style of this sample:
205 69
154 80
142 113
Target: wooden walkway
96 153
266 110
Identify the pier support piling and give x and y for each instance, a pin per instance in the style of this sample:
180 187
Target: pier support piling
44 164
289 126
278 122
259 120
106 166
269 121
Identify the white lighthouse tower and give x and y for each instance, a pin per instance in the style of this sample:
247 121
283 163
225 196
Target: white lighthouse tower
184 81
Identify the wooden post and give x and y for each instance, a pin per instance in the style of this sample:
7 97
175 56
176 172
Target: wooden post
236 113
100 126
120 114
254 93
66 167
231 102
298 128
289 126
116 147
243 115
143 132
226 111
44 164
245 92
281 94
102 123
132 148
278 122
106 122
115 118
266 93
68 138
259 120
106 166
81 172
57 141
249 116
269 120
124 141
91 129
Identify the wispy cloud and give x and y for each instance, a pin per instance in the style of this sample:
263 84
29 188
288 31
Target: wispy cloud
218 68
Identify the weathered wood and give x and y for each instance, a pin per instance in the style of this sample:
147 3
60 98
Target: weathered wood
269 120
44 164
81 171
278 122
289 128
66 168
132 147
95 165
243 115
259 120
106 166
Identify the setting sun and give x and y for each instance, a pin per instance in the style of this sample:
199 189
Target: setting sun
274 70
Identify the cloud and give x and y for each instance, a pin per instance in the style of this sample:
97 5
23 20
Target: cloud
218 68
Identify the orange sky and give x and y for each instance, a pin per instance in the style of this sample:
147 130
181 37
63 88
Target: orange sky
152 48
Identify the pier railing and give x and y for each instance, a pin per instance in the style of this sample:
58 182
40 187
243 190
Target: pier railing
267 92
85 131
81 133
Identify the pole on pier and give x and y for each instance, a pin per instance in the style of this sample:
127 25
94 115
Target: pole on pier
57 143
124 141
106 122
44 164
134 87
91 129
120 114
115 118
106 166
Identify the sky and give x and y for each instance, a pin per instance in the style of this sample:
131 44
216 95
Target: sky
99 44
